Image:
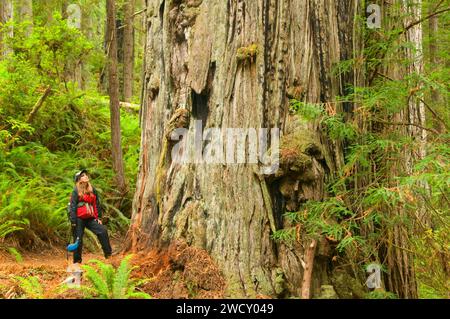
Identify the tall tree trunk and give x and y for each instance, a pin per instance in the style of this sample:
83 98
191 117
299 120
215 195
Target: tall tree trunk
433 25
6 15
401 277
128 52
403 280
235 64
74 16
116 149
64 5
87 27
26 14
241 75
140 45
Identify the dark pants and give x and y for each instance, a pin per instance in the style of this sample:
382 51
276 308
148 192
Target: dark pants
97 229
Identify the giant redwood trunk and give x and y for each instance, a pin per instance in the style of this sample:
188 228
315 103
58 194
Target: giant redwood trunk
235 64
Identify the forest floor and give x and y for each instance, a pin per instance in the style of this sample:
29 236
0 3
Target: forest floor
48 266
176 272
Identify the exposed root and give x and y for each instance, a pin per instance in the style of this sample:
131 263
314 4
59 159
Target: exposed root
180 272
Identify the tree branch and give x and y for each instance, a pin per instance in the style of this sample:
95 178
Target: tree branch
130 107
434 113
421 100
32 114
394 36
308 269
38 105
408 124
139 12
423 19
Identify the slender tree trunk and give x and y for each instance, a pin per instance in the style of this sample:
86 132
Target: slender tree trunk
141 44
128 51
401 278
120 25
117 157
64 5
433 25
26 14
6 15
434 61
415 114
87 27
74 16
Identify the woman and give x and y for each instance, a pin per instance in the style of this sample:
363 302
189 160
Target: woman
85 211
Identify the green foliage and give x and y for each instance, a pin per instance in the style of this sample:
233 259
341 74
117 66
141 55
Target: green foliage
16 254
192 288
358 220
55 48
37 206
432 263
31 287
381 294
431 292
377 188
308 111
284 235
109 283
10 226
70 131
329 218
334 125
35 202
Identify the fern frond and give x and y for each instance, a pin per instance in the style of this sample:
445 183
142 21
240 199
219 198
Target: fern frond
97 281
107 271
138 295
15 254
121 279
31 286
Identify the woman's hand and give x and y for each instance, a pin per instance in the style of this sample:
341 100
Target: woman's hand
99 221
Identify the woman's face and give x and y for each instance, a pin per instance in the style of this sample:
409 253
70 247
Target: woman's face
84 178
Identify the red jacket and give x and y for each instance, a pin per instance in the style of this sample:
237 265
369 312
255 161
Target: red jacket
87 206
77 205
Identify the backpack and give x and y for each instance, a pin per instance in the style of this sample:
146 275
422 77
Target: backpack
69 208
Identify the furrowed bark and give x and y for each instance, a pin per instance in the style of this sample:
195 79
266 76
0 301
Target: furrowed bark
192 62
400 261
6 15
113 88
128 51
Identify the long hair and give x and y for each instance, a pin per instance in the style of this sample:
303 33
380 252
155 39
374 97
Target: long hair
84 188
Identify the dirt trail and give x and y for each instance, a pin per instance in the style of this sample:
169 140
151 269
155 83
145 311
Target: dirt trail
48 266
176 272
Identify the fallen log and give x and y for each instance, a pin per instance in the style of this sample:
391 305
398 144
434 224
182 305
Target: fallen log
130 107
